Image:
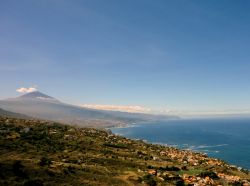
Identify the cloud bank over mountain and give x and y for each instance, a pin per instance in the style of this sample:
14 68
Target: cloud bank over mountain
122 108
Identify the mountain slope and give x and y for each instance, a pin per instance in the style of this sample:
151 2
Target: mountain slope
58 112
35 96
39 105
5 113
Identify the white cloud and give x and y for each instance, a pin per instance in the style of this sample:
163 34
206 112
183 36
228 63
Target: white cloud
122 108
26 90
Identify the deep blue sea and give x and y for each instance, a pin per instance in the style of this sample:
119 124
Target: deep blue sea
227 139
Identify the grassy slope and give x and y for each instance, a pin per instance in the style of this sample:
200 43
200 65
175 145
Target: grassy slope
42 153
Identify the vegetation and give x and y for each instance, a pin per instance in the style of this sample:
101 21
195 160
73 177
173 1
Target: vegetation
34 152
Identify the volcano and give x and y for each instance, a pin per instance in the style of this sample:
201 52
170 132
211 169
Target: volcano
36 95
41 106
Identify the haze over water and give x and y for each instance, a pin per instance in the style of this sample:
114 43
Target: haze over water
221 138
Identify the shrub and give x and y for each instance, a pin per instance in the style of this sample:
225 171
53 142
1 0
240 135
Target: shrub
209 174
45 161
119 145
35 182
149 180
18 169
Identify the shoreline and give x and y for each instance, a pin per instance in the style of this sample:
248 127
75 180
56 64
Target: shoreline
177 146
76 151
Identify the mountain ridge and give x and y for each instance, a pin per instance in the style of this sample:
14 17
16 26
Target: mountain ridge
42 106
5 113
35 95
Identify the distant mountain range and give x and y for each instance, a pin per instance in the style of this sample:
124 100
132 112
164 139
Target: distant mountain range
41 106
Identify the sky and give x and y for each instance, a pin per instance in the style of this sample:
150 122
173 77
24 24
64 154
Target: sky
168 56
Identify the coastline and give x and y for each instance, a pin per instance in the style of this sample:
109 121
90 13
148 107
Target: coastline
199 148
77 154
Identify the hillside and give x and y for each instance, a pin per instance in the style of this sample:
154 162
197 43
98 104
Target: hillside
5 113
34 152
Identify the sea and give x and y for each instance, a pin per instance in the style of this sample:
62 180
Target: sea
226 139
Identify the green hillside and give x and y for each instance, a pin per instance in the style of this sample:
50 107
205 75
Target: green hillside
34 152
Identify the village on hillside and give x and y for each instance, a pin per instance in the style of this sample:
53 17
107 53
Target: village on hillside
35 152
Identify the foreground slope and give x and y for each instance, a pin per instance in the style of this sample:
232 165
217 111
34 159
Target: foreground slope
36 152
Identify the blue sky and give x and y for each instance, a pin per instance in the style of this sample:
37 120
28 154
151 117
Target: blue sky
190 55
